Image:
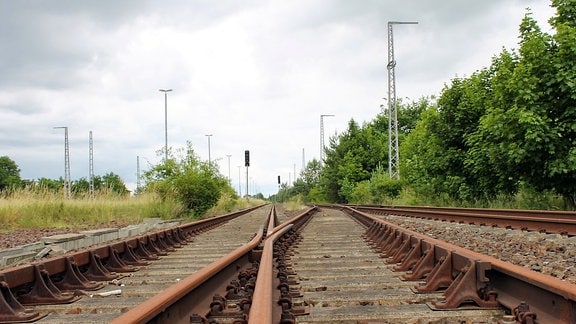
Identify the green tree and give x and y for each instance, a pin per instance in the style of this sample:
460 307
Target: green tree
50 184
112 182
9 173
529 134
382 186
196 184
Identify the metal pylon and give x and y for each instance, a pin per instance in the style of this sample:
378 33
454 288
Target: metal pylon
393 155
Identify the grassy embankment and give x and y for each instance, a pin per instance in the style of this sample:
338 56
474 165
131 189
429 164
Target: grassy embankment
26 209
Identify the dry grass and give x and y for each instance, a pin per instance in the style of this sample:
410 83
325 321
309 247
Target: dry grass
46 209
42 209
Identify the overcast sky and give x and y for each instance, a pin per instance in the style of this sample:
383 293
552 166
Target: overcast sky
256 75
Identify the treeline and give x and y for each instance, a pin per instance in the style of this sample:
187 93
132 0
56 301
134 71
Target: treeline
507 129
11 181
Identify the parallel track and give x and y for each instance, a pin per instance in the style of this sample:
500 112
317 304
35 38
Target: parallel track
338 265
545 221
133 288
344 280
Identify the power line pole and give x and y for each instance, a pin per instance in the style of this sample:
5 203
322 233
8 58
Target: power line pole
91 165
138 174
67 189
393 156
322 136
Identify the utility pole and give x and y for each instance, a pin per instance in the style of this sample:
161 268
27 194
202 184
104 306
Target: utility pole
322 136
239 180
229 179
91 165
209 158
393 156
67 189
137 174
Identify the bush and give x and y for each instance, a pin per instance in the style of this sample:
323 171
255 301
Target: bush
197 185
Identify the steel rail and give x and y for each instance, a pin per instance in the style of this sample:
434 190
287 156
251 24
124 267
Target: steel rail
193 294
551 299
552 214
82 270
176 303
552 222
20 275
262 299
263 308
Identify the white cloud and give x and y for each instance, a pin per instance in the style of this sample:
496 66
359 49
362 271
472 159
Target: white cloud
255 74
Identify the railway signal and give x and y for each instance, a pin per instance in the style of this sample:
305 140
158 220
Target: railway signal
246 164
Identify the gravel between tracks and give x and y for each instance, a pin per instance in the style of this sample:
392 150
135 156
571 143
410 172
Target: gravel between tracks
550 254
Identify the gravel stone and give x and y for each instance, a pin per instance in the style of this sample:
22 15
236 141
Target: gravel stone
550 254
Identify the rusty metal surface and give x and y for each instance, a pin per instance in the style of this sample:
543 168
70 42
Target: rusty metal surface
87 273
344 280
272 300
553 300
176 303
203 294
554 222
262 308
325 275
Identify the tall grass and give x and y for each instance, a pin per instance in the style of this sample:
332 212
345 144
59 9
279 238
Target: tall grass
26 208
228 203
33 208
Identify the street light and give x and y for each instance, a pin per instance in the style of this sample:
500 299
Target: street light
165 122
239 181
229 179
209 159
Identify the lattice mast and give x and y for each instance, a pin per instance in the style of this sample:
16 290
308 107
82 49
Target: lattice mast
91 164
137 174
322 137
393 155
67 188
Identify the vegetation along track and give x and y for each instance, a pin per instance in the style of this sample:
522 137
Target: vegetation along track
131 288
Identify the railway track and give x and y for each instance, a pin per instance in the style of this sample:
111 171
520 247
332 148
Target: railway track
344 280
335 264
544 221
138 283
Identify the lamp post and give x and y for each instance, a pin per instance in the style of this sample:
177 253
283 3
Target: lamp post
209 159
165 122
229 179
239 181
322 136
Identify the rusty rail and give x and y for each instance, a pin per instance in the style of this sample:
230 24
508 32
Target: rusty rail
262 300
83 269
191 295
470 277
553 222
264 308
